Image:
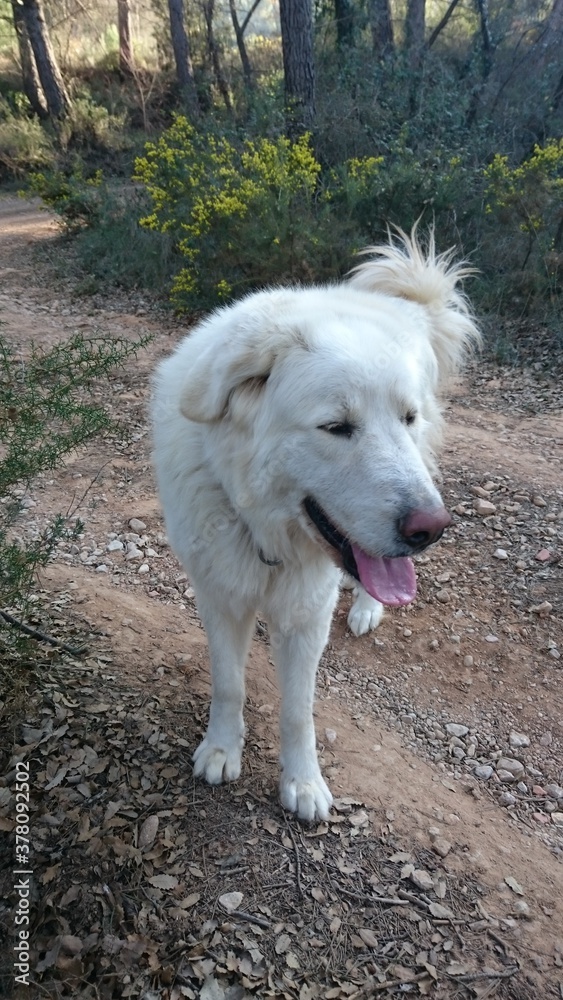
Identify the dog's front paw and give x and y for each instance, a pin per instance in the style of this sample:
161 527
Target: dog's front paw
217 763
365 614
309 798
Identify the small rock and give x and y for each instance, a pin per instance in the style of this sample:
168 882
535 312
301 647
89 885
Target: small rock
500 554
554 653
515 767
484 508
136 524
422 879
517 740
505 776
433 644
546 740
455 729
230 901
483 771
522 787
521 909
443 846
539 791
491 638
542 609
557 818
102 568
133 552
468 661
443 596
330 736
407 632
538 501
544 555
145 568
507 799
540 817
115 545
554 791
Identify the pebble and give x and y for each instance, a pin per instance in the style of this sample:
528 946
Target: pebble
507 799
483 771
500 554
443 846
115 545
518 740
557 818
505 776
468 661
538 501
484 508
554 791
514 767
133 552
145 568
330 736
544 555
443 596
455 729
102 568
521 908
136 524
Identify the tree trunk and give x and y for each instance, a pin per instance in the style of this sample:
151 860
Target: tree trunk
241 44
52 83
414 32
488 56
212 48
124 32
296 20
381 29
182 58
30 77
344 20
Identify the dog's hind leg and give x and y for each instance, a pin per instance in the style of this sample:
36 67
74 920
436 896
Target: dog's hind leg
296 654
218 756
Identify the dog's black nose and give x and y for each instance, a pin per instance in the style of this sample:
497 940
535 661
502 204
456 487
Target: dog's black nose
422 527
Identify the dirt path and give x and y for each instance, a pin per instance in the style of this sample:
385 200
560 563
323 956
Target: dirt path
125 841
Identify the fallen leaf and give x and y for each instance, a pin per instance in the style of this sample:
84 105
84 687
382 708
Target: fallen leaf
513 884
368 937
163 881
148 831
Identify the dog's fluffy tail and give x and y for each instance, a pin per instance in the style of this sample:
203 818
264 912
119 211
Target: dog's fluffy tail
406 269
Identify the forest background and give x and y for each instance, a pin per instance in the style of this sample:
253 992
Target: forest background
200 149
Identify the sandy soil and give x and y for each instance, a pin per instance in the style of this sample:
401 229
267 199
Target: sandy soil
470 651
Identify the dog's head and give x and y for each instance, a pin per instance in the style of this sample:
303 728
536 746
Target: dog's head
322 407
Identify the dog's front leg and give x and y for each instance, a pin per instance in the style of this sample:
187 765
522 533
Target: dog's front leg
296 653
218 756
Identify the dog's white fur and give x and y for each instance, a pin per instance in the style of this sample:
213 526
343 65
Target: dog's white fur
242 415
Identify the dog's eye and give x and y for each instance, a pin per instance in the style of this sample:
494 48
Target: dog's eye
410 418
345 429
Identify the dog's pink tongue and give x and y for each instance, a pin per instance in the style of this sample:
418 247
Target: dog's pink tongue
390 581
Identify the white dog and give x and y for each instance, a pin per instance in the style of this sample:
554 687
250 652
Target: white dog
293 438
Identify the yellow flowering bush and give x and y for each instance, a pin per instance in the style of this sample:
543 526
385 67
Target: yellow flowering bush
240 216
529 198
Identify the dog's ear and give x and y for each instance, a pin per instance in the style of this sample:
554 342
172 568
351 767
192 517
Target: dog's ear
223 367
405 269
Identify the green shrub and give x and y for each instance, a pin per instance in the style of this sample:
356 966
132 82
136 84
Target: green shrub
45 413
76 199
523 224
24 143
244 216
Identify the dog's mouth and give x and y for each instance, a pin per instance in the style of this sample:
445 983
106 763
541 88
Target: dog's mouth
391 581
